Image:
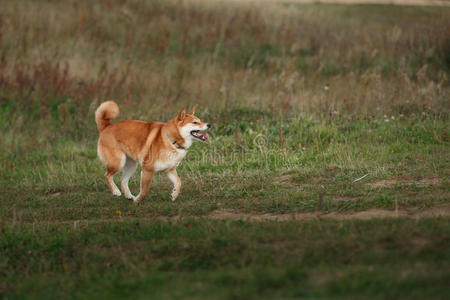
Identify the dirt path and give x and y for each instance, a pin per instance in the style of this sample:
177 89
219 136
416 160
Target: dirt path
430 212
229 214
442 210
396 2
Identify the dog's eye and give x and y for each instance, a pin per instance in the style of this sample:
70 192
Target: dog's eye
195 123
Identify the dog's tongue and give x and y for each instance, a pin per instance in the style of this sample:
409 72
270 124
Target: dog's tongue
204 135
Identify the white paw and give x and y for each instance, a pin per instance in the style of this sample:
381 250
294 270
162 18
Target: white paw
117 192
173 197
130 197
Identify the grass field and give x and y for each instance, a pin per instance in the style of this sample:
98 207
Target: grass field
326 174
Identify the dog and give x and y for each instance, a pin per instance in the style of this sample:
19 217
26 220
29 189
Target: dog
156 146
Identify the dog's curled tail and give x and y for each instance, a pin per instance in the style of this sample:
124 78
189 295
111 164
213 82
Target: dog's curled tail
107 111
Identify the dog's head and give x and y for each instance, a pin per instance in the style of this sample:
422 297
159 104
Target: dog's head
190 126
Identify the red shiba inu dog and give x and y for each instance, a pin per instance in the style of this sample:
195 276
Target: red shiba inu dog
156 146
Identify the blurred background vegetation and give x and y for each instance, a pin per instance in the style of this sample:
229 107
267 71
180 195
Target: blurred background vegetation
237 61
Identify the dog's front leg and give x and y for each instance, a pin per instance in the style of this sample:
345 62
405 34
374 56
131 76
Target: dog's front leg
146 179
173 176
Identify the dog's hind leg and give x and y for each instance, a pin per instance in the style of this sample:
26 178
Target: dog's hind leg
128 170
114 160
173 177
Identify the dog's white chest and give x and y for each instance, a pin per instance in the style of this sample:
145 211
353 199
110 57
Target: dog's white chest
172 161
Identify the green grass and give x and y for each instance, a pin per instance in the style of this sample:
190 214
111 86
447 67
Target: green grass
304 99
399 258
63 235
254 171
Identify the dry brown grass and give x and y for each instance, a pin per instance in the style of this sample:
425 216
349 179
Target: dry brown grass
160 55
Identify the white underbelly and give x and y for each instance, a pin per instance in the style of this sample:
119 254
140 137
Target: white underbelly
163 166
173 161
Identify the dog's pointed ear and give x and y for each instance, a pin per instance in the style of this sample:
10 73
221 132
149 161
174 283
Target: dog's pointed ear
182 114
193 110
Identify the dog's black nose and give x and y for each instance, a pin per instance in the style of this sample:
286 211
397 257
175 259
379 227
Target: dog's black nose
208 125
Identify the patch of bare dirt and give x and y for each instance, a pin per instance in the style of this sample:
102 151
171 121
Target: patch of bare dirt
287 178
404 181
439 211
284 181
347 198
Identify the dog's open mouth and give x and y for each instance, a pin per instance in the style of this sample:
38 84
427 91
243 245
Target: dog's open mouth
202 137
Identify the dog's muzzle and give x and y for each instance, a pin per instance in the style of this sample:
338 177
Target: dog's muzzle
201 136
